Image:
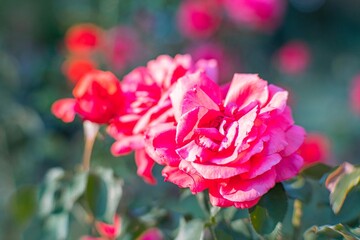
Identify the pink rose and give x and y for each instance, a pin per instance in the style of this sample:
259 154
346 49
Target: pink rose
122 47
293 58
198 18
237 147
263 15
146 91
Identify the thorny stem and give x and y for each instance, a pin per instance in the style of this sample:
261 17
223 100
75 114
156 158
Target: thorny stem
90 132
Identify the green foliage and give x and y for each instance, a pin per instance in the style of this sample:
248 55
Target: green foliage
102 194
191 230
338 231
23 204
270 210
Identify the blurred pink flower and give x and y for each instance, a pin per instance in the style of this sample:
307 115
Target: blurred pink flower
122 47
263 15
151 234
237 146
355 94
214 50
316 148
198 18
293 58
97 98
83 38
109 231
146 91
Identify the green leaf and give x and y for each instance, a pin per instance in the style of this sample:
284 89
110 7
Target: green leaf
23 204
346 183
338 231
270 210
102 194
298 188
316 171
192 230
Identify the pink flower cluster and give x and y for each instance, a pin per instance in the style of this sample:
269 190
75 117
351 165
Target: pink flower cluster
202 18
236 141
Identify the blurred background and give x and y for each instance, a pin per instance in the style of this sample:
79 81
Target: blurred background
309 47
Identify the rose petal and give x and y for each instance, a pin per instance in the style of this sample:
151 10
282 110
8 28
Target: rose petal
246 88
64 109
192 181
144 166
288 167
240 190
295 137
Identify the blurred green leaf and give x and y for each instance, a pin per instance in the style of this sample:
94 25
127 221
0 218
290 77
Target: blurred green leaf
338 231
23 204
270 210
298 188
57 226
345 184
102 194
191 230
316 171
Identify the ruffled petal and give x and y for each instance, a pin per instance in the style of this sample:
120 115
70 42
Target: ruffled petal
64 109
295 137
240 190
246 88
144 166
288 167
183 179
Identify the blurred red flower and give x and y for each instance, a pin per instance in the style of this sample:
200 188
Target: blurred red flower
316 148
98 99
109 231
83 38
75 68
263 15
198 18
293 58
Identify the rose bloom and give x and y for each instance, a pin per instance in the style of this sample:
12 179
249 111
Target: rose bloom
146 91
263 15
75 68
198 18
237 146
122 47
151 234
97 98
293 58
214 50
316 148
83 38
355 94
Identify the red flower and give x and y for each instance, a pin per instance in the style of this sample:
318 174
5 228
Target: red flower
83 38
109 231
316 148
76 68
98 99
148 104
293 58
198 18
